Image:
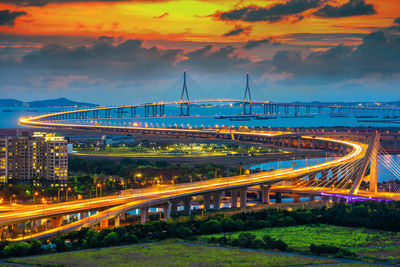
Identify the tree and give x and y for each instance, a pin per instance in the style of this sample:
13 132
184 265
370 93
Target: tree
112 239
210 227
17 249
36 246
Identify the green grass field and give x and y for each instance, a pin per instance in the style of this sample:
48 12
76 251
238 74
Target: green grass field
301 237
169 254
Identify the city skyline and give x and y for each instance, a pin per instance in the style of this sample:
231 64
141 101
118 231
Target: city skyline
112 52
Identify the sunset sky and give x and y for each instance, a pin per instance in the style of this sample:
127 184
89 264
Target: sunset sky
131 51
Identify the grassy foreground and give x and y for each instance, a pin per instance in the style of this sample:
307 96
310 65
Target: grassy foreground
301 237
169 254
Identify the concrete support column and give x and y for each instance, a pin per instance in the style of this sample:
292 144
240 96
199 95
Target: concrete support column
312 198
217 200
56 221
123 216
278 197
207 201
265 192
187 204
234 194
144 215
104 223
296 198
167 210
243 197
81 215
117 221
174 207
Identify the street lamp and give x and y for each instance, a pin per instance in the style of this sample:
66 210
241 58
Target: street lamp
99 186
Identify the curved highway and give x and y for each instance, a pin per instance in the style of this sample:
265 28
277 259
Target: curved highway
145 197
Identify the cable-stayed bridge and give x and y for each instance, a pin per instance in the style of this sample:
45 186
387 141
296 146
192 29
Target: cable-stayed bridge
350 176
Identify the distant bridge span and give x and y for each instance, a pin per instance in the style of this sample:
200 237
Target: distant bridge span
157 109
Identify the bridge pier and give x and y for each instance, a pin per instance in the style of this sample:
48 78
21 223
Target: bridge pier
234 195
117 221
104 224
187 205
56 221
243 197
144 215
265 192
174 207
278 197
207 201
217 200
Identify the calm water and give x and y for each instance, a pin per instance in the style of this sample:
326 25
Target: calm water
206 117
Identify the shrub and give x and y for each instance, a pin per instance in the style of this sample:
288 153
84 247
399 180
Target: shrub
280 245
247 240
111 239
130 238
17 249
270 243
210 227
36 246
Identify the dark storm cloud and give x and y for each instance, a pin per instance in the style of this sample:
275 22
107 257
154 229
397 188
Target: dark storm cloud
352 8
103 59
208 59
46 2
256 43
375 56
238 30
7 17
273 13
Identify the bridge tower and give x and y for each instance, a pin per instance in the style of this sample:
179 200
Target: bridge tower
371 159
185 102
247 102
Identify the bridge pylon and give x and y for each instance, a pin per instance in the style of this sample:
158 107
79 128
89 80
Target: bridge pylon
185 102
370 159
247 101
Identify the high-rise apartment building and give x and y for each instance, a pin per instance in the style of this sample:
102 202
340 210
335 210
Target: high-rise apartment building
37 158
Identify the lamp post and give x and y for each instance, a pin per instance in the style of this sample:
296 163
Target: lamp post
66 193
99 186
44 202
11 197
34 196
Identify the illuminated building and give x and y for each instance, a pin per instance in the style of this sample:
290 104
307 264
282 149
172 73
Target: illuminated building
38 159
